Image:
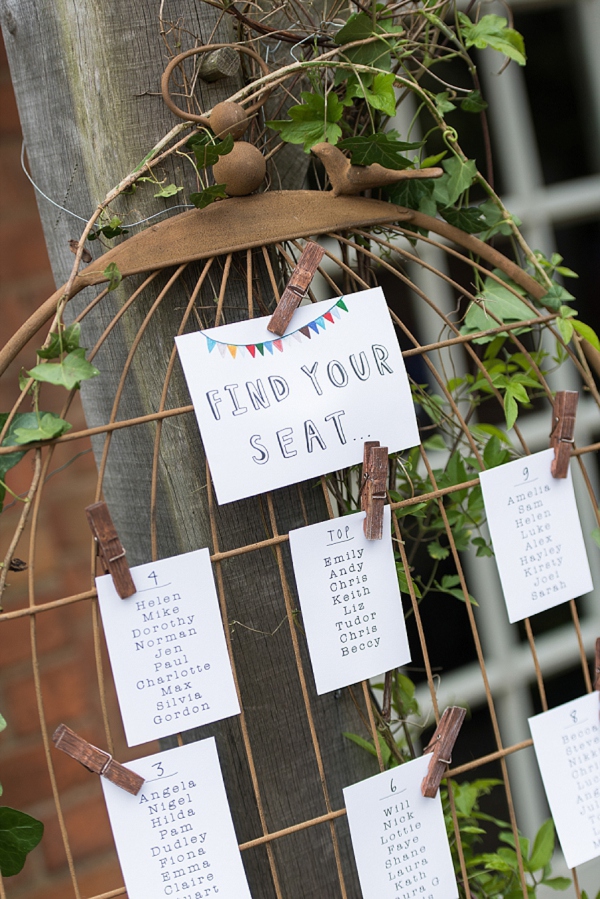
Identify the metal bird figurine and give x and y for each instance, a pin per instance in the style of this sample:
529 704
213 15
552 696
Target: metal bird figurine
347 179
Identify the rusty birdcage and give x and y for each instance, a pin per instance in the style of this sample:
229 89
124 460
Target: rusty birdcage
228 262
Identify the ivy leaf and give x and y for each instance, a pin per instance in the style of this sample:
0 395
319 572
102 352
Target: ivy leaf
465 798
113 276
437 551
491 31
73 369
47 427
208 195
168 191
595 535
443 104
468 219
207 149
430 161
359 27
511 410
497 304
64 342
559 883
381 94
413 195
495 223
449 585
360 741
436 442
556 296
19 834
543 846
113 229
565 328
587 333
379 148
22 420
482 547
2 723
403 580
370 748
490 430
313 122
455 472
459 176
473 102
494 454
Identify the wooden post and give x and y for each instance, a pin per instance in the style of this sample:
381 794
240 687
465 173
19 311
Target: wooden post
96 128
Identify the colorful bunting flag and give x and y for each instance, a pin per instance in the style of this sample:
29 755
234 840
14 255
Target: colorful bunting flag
307 331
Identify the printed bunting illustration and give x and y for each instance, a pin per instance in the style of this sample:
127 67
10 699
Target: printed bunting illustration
256 350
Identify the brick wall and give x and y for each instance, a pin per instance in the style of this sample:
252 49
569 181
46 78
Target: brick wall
61 564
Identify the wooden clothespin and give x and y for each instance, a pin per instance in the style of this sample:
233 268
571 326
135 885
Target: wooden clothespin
297 286
563 430
441 746
96 760
373 488
110 548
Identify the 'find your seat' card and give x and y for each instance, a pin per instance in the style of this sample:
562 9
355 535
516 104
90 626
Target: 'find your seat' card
167 648
275 410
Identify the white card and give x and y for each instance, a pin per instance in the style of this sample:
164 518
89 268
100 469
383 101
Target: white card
176 837
350 599
274 411
167 648
399 836
536 534
567 746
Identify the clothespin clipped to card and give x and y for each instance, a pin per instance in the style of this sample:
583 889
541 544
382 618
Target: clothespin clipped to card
441 746
373 491
96 760
563 430
297 286
110 548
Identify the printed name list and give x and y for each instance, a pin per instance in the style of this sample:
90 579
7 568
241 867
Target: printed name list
175 839
536 534
567 746
399 837
350 600
167 648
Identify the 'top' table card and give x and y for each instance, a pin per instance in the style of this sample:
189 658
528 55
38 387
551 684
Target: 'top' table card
167 648
275 411
399 836
350 600
176 839
567 745
536 535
